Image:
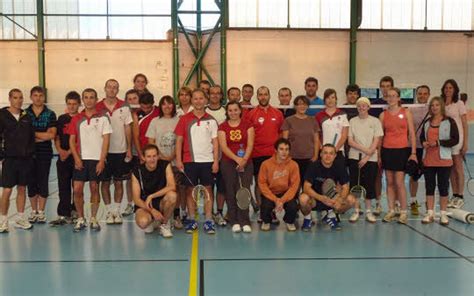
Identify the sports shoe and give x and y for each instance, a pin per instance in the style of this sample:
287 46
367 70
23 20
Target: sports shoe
165 230
109 218
23 223
177 223
354 217
94 225
370 217
403 219
332 222
397 209
378 209
307 224
33 217
236 228
427 219
414 208
128 210
451 202
41 217
220 220
247 229
118 218
191 226
61 220
458 203
290 227
80 225
265 226
389 217
4 226
443 219
74 216
209 227
275 220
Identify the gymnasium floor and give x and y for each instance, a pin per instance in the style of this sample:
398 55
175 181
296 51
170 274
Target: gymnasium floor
362 259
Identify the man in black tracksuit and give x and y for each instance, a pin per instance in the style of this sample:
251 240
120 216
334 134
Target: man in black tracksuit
18 136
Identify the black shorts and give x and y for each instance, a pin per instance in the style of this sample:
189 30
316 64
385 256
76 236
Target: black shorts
395 159
16 172
116 168
219 182
257 163
368 173
39 181
88 172
155 204
198 173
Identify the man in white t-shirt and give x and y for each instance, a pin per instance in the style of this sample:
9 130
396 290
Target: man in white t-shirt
89 142
120 149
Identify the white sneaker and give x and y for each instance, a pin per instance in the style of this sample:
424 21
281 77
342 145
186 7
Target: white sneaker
128 210
165 230
33 217
403 219
94 225
80 224
354 217
4 226
109 218
247 229
443 219
236 228
427 219
458 203
378 209
265 226
290 227
118 218
397 209
370 217
220 220
23 223
40 217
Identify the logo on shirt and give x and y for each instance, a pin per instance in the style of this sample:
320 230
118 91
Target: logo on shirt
235 135
280 174
400 116
261 120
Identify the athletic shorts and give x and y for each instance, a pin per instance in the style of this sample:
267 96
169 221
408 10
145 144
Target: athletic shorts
155 204
198 173
16 172
395 159
88 172
116 168
39 181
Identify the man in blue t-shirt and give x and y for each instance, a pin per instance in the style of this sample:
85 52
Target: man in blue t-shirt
316 197
311 85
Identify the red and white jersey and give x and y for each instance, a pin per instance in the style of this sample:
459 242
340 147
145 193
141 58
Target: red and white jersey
197 136
89 132
332 126
144 121
119 118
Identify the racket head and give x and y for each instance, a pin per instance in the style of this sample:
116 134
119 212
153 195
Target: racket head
470 186
358 191
200 194
329 188
243 198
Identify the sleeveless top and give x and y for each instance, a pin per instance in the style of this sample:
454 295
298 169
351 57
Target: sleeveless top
395 129
151 181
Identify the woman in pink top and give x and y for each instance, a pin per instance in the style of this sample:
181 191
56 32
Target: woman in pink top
456 109
397 123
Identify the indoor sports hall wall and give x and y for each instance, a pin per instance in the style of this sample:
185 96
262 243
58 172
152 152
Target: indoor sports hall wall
272 57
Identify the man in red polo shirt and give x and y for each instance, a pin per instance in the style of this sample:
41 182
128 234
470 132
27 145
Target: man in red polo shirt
197 155
120 149
267 122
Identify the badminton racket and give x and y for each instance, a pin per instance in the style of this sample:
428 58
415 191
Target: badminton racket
329 188
199 193
243 196
470 182
358 190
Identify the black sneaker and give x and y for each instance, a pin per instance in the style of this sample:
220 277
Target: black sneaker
61 220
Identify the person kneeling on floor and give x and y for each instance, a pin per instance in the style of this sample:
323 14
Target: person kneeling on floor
154 192
316 196
279 181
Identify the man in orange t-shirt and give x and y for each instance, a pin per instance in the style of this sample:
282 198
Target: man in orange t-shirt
279 180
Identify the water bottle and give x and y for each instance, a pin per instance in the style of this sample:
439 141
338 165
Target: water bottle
241 151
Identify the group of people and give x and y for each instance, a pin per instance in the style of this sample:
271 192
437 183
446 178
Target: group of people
156 155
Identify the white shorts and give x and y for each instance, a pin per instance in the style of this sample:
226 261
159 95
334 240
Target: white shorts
456 150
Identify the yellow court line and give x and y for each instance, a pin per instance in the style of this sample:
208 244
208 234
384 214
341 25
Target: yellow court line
193 266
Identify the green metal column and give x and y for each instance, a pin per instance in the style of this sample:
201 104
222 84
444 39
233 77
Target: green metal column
199 38
174 24
224 26
40 41
356 19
